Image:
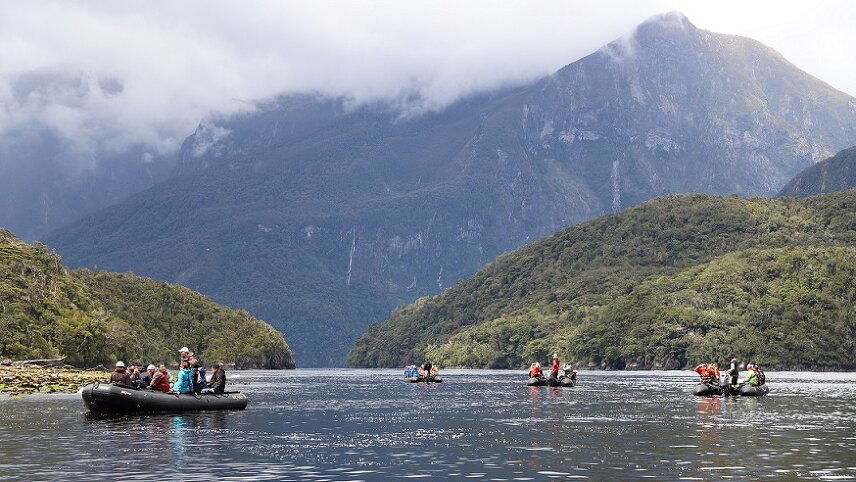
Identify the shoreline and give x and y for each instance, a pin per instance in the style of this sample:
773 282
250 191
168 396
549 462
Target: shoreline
24 380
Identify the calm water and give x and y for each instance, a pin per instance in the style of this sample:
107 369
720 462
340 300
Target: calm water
324 425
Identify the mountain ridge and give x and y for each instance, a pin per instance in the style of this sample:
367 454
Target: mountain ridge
836 173
322 216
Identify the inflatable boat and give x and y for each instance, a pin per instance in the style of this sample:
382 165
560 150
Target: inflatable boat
105 397
753 390
424 380
707 389
551 382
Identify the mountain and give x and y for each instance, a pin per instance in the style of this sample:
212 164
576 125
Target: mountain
93 317
321 215
838 173
679 280
54 168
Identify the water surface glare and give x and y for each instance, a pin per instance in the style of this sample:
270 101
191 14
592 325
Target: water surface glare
478 424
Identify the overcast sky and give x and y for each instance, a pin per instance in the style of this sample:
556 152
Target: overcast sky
105 74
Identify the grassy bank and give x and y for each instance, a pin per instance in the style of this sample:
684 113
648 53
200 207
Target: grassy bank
24 380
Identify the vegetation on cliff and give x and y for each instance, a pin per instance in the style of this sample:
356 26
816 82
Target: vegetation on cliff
93 317
675 281
837 173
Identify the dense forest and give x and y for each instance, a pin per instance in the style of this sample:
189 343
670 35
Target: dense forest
675 281
93 317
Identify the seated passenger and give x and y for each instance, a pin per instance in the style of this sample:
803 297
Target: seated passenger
146 377
569 372
197 374
218 380
706 373
160 380
750 377
762 378
421 372
134 373
429 368
183 383
120 375
535 371
433 372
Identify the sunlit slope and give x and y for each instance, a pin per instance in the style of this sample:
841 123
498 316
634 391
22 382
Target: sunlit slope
672 282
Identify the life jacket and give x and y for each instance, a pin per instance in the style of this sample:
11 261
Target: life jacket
535 373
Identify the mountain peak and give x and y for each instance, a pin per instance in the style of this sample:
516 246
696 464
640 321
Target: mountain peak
671 24
668 21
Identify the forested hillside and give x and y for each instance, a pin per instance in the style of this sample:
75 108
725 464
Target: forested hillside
93 317
837 173
675 281
320 215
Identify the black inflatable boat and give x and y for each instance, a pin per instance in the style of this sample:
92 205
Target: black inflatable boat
707 389
424 380
550 382
753 390
105 397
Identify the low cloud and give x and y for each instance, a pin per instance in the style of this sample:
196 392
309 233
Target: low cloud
107 75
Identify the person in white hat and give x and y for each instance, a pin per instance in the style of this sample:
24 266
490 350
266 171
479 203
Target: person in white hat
146 377
120 375
184 353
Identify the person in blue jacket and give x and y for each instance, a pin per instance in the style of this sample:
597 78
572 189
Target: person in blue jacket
184 381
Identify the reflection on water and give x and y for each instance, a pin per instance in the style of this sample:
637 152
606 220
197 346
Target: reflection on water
477 424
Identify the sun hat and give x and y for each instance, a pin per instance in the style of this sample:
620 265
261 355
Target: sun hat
184 349
120 364
151 367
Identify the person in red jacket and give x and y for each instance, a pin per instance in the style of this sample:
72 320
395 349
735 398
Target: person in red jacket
160 382
554 367
709 372
535 371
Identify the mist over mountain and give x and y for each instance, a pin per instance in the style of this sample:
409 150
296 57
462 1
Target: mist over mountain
319 215
838 173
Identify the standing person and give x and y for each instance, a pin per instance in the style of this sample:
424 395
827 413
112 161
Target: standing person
218 379
160 380
193 363
146 377
733 372
554 367
184 354
120 375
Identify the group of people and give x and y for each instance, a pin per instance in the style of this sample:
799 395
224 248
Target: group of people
567 370
191 376
710 374
428 370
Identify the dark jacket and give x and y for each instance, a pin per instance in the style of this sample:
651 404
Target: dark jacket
145 380
218 381
121 377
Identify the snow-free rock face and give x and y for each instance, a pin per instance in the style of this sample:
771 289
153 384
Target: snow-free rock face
320 216
838 173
